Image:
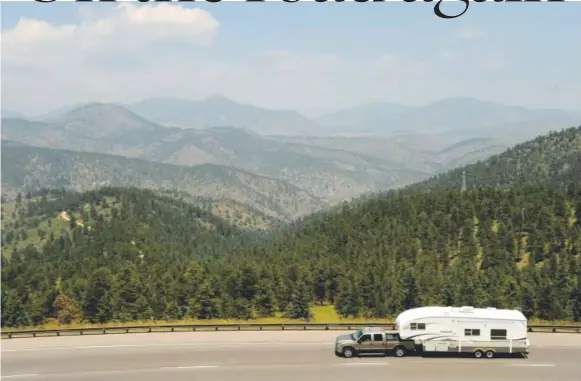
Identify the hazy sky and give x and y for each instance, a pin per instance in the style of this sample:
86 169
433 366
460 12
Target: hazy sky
305 56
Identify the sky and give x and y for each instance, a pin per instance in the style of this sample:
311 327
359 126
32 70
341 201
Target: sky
310 57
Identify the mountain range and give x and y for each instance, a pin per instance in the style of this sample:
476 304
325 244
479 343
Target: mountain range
457 118
333 168
243 155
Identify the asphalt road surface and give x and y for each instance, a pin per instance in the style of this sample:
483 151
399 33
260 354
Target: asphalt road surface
262 356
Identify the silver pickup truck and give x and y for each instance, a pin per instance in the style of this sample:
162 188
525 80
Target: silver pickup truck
372 340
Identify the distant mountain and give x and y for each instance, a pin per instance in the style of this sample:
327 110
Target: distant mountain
425 153
104 120
459 118
6 113
222 112
333 174
95 127
11 143
331 167
33 168
453 120
375 118
59 111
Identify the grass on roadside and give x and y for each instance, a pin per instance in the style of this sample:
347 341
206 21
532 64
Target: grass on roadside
321 314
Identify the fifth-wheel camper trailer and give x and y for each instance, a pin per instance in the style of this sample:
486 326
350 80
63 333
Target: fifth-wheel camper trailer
484 332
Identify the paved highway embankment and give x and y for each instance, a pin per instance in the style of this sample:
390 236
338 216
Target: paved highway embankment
265 356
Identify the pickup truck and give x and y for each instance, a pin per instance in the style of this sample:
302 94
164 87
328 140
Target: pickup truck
372 340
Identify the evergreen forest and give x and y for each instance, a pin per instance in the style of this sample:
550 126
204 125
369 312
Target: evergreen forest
511 240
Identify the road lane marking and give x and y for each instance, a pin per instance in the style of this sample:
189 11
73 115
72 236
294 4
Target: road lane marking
201 345
363 363
535 365
20 375
188 367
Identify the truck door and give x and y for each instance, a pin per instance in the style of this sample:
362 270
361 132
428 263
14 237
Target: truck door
365 345
378 342
390 341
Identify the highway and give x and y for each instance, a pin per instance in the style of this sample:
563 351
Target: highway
262 356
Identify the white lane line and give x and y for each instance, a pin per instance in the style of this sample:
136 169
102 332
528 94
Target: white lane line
535 365
204 345
20 375
363 363
189 367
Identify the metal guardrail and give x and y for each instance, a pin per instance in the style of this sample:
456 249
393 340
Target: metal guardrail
234 327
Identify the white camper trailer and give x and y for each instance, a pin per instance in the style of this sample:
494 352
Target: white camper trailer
484 332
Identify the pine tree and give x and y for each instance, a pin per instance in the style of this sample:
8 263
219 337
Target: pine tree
265 300
299 307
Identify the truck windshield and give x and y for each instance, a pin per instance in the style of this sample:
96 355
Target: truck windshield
357 334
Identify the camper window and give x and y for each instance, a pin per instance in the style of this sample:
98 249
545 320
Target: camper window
418 326
498 334
471 332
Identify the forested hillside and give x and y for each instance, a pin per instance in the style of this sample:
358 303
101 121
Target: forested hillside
27 168
137 256
112 255
553 160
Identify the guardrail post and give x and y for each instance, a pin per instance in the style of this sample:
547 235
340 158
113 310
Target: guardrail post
172 329
282 326
327 327
261 328
57 333
104 331
216 328
239 327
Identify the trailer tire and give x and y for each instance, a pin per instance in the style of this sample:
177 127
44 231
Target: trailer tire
489 354
348 352
399 351
478 354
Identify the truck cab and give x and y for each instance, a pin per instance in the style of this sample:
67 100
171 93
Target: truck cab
372 340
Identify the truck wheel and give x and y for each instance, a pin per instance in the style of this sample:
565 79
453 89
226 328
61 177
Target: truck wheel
399 351
348 352
489 354
478 354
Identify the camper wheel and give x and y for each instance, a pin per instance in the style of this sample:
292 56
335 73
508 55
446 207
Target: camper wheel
478 354
489 354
